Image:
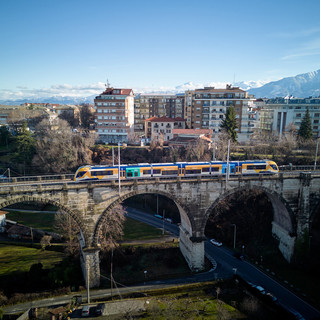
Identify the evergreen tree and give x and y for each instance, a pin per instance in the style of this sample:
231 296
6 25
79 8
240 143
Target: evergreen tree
229 124
24 143
305 130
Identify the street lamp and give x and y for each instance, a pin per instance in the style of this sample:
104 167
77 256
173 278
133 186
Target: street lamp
234 235
145 275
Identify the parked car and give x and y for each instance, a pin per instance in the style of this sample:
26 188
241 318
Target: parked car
216 242
239 256
168 220
85 311
99 309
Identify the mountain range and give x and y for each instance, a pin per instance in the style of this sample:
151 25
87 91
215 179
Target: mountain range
301 86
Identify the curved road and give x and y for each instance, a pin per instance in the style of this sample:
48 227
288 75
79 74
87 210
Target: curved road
227 265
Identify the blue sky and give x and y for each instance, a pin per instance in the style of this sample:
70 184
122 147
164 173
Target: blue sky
71 47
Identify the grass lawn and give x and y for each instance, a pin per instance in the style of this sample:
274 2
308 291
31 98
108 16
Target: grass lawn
136 230
37 220
19 258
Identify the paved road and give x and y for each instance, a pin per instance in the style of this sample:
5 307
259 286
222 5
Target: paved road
227 263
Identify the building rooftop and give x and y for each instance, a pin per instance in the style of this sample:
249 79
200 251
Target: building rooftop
164 119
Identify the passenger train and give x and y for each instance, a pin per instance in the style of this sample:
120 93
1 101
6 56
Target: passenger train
182 169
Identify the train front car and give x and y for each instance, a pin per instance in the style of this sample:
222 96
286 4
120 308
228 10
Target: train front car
81 173
272 167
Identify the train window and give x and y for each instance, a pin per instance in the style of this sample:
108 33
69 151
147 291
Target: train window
197 171
129 174
146 171
101 173
215 169
169 172
156 171
256 167
274 167
205 169
232 169
80 174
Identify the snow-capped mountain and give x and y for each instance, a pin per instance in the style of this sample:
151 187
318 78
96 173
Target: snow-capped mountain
64 100
301 86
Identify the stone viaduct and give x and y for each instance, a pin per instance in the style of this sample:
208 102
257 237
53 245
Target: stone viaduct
295 199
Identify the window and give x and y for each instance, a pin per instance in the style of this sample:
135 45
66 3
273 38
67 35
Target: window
156 171
193 171
169 172
146 171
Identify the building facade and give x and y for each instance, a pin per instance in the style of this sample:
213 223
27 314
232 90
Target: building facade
114 115
280 114
206 108
156 105
161 128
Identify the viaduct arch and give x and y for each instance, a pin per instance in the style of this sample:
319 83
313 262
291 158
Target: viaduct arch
293 197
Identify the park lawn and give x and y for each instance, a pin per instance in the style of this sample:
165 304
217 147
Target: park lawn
20 258
136 230
37 220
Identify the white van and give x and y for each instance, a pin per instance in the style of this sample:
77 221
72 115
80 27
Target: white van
85 311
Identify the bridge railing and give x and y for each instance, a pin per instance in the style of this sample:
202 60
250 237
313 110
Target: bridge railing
56 177
290 167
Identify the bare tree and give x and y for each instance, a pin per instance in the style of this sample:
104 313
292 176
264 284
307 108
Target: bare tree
112 229
65 225
58 148
45 241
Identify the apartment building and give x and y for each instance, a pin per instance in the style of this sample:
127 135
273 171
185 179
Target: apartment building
277 115
114 115
156 105
161 128
206 108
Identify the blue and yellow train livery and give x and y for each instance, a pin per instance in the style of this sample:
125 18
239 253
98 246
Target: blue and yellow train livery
185 169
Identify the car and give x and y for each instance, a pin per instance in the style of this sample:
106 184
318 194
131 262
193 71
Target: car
85 311
239 256
260 289
216 243
99 309
168 220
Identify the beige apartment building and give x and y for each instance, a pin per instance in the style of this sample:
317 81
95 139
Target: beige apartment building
114 115
206 108
156 105
161 128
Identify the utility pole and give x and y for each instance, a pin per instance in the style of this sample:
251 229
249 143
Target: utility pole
214 150
112 156
88 279
163 222
119 167
111 276
315 158
157 203
228 169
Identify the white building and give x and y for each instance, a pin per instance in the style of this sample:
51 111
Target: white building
278 114
114 115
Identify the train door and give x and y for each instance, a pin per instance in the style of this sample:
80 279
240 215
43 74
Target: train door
232 168
132 172
224 168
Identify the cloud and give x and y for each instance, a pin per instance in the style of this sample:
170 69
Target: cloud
82 91
310 48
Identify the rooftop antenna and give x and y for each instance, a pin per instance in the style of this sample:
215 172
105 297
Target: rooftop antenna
107 84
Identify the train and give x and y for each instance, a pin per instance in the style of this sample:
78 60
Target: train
181 169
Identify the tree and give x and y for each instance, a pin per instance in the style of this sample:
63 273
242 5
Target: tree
66 226
58 148
45 242
25 145
230 123
305 130
112 229
87 116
